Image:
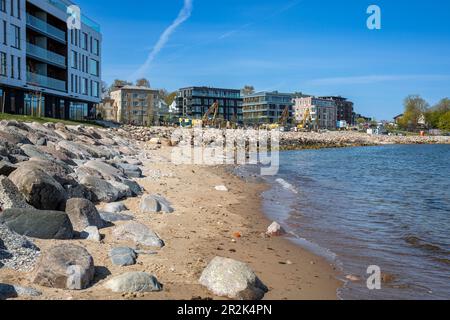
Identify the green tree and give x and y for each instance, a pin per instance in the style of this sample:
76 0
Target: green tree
444 122
434 115
415 107
170 98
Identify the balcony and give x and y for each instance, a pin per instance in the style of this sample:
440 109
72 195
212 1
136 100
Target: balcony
42 26
46 82
45 55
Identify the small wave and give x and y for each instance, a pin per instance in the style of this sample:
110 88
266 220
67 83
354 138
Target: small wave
422 244
286 185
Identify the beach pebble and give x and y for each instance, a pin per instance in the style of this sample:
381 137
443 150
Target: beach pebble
221 188
275 230
353 278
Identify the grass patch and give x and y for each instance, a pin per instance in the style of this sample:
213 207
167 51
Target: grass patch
21 118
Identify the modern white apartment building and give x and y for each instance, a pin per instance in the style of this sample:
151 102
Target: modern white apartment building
47 69
316 112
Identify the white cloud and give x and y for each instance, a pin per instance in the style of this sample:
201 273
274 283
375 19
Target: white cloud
184 15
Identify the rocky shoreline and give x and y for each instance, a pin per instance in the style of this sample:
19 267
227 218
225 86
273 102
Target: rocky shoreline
63 187
294 140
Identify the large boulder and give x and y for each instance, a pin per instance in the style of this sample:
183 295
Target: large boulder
102 190
107 171
10 197
233 279
134 282
38 224
40 189
34 152
59 171
82 213
135 188
131 170
65 266
154 204
139 233
123 256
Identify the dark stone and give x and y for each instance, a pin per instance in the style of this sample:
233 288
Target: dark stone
38 224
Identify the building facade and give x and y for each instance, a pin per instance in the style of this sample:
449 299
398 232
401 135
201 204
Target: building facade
47 69
266 107
318 113
135 105
194 102
344 108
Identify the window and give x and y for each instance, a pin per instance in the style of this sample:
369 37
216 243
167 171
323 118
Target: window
95 47
85 41
94 67
16 33
3 5
12 66
95 89
12 8
3 71
71 82
5 26
74 59
19 65
84 86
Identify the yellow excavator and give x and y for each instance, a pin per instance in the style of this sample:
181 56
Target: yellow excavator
282 122
306 122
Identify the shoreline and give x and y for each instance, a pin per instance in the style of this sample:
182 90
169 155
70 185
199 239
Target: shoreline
204 225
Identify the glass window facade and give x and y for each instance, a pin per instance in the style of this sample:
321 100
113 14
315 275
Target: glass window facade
78 111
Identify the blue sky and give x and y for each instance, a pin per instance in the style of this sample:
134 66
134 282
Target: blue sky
320 47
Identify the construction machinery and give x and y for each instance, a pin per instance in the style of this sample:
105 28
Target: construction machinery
306 123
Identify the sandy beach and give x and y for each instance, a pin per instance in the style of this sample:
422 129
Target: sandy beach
206 223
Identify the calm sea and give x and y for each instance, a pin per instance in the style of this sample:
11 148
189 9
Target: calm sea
387 206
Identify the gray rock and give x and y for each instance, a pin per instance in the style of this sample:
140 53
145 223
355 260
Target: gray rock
58 170
123 256
135 188
139 233
65 266
34 152
154 204
131 170
38 224
74 150
115 217
107 171
82 214
115 207
12 291
124 190
6 168
134 282
102 190
91 233
40 189
233 279
10 197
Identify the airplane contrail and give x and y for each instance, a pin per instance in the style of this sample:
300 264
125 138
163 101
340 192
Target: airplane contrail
184 14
